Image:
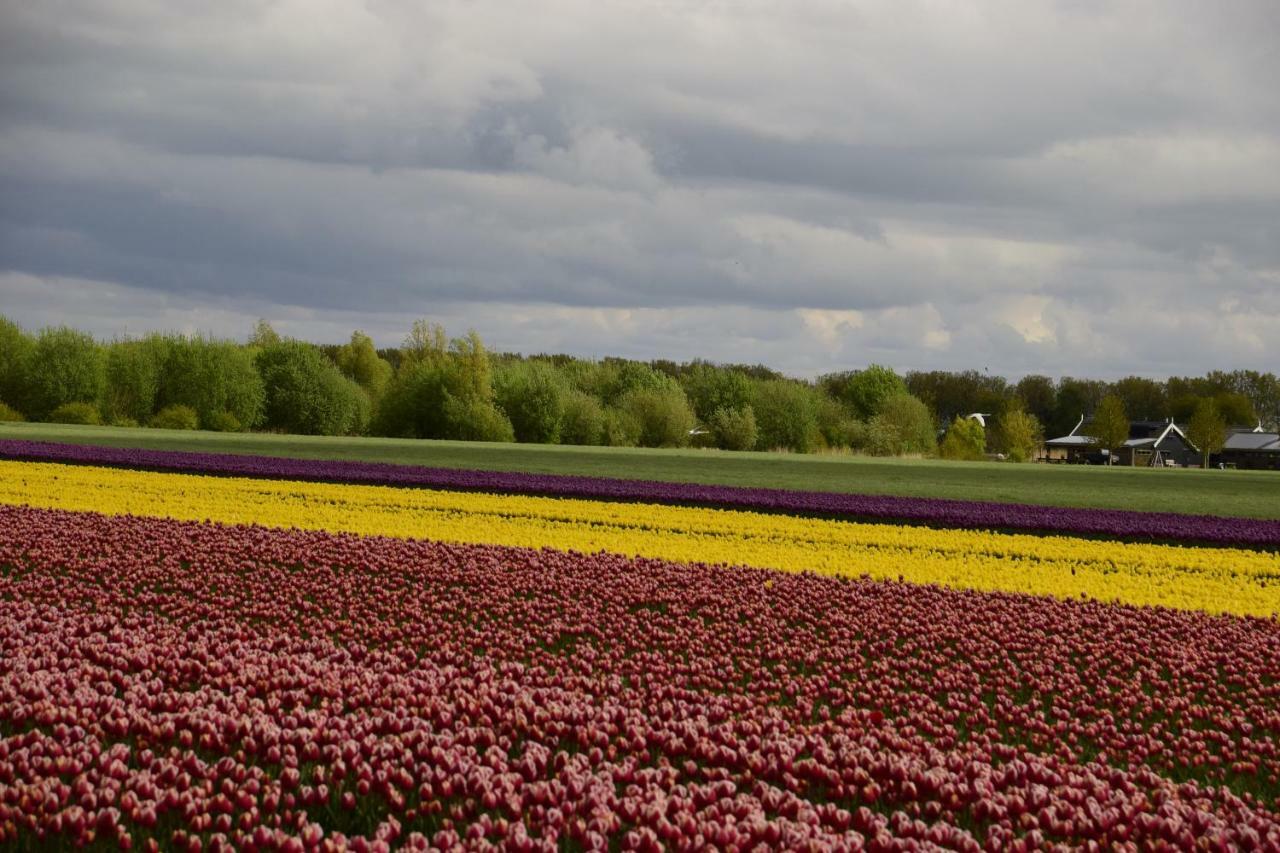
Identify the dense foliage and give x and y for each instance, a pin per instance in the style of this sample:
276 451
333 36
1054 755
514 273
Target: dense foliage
436 387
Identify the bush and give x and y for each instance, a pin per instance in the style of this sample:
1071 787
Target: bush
583 420
734 429
124 422
903 426
10 415
532 393
306 393
786 414
837 427
621 428
223 422
662 415
176 416
75 413
965 440
473 419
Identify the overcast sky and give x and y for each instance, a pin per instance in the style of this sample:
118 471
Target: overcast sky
1062 187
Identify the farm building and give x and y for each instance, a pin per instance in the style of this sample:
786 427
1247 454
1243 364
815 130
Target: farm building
1251 449
1150 444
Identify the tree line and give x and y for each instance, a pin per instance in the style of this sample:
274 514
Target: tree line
434 386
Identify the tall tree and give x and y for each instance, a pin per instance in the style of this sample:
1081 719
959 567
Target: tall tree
1206 429
1110 429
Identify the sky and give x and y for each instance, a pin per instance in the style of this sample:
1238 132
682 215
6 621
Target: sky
1016 186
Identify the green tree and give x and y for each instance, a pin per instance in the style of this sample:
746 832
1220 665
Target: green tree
211 376
1207 429
1038 395
359 360
910 423
864 391
306 394
66 366
1019 435
965 440
133 373
17 349
837 427
425 342
712 388
734 429
786 414
263 335
1075 398
1110 428
1143 399
533 394
1235 408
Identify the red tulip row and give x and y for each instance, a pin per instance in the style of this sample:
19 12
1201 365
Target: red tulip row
196 686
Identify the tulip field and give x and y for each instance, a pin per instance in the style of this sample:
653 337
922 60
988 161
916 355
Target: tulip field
226 652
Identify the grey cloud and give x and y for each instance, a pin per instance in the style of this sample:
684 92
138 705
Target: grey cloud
922 182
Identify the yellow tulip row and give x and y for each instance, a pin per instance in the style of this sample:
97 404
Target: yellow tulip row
1218 580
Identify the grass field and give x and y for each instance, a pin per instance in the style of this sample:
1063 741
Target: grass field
1244 493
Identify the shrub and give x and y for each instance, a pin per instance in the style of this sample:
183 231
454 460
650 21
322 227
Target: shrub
176 416
583 420
734 429
786 414
473 419
10 415
837 427
223 422
662 415
965 439
621 428
124 422
75 413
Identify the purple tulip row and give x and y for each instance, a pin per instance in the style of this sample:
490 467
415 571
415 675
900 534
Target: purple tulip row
1208 529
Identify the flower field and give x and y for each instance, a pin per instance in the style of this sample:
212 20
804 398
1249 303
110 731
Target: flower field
192 661
1244 532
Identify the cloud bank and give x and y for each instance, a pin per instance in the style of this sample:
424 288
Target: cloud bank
1060 187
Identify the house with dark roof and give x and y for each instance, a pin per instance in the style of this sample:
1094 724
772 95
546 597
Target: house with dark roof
1253 449
1150 444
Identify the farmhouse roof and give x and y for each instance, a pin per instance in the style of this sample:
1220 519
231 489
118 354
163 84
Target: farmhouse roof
1263 441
